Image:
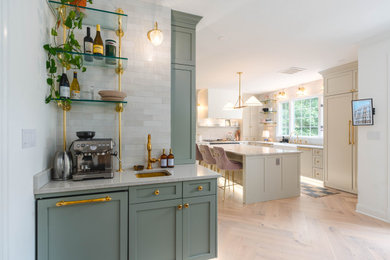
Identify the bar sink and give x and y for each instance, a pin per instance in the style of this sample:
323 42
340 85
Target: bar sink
151 174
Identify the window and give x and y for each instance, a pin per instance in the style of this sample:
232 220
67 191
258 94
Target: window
300 116
285 118
306 117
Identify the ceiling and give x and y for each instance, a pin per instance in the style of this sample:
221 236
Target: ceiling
263 37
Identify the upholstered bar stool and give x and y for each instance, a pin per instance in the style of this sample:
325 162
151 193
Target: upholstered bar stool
208 159
226 166
199 156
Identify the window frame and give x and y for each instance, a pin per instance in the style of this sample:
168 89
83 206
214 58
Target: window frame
292 116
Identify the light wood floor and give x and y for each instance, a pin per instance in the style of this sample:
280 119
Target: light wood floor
299 228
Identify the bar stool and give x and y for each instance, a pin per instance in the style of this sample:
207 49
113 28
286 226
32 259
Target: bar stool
225 165
199 156
208 160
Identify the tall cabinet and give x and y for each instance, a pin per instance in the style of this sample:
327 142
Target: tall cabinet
183 90
340 142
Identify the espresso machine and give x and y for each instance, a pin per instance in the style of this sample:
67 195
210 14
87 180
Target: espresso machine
92 157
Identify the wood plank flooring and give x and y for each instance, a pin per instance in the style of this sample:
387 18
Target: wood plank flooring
298 228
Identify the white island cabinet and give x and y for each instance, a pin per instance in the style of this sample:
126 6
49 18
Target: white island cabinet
268 173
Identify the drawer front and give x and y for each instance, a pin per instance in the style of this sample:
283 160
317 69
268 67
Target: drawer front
318 174
199 188
155 192
317 162
317 152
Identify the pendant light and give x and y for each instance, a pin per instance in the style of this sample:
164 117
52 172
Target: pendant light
155 36
252 101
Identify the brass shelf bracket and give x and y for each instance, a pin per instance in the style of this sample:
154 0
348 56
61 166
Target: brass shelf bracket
119 72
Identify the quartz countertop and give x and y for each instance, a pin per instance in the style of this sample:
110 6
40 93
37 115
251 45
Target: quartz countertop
292 145
252 150
127 178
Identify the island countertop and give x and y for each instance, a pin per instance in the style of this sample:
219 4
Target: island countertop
128 178
252 150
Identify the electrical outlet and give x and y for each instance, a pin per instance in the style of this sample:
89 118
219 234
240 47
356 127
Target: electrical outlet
29 138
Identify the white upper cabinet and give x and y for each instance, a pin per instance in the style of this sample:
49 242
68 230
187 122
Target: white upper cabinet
211 104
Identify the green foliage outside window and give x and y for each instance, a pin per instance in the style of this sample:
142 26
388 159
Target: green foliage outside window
306 117
285 114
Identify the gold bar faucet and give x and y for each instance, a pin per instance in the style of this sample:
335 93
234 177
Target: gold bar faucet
149 148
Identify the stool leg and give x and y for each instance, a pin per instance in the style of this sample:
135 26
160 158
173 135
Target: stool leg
224 186
233 180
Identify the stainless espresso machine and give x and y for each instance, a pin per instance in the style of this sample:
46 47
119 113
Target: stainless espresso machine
92 157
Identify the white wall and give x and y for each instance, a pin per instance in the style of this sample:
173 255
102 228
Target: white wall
373 156
25 92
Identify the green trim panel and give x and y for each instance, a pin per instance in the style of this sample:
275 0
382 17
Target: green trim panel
156 231
97 230
183 46
183 114
200 228
146 193
191 188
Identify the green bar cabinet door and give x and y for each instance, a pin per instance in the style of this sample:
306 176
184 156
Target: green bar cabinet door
83 231
156 230
183 113
200 228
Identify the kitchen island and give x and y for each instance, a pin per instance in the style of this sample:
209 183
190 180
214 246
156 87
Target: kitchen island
268 173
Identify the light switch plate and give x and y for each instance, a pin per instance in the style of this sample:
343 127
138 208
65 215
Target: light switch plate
29 138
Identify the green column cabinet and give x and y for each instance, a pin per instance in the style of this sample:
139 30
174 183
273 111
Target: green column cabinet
94 230
199 228
183 107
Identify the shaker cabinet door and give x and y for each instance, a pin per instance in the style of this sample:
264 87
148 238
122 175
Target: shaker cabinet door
199 228
83 227
156 230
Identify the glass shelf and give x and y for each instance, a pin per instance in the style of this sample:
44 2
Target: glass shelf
268 123
91 101
269 100
100 61
107 20
269 112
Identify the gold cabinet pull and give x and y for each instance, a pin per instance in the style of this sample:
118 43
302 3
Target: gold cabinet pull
200 188
68 203
186 205
180 207
157 192
303 148
353 135
349 132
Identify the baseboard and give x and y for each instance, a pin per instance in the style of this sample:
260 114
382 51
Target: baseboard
372 213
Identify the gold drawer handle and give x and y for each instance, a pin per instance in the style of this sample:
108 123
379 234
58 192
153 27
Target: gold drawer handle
157 192
68 203
200 188
186 205
318 161
180 207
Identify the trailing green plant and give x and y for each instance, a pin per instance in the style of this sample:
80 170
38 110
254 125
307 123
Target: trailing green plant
65 53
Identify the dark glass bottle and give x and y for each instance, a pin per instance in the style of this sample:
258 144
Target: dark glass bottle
171 159
163 160
88 45
64 86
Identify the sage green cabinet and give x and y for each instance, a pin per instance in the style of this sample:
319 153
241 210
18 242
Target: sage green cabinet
183 100
156 230
183 114
199 228
87 229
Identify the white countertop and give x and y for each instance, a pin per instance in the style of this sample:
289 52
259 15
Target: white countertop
252 150
127 178
313 146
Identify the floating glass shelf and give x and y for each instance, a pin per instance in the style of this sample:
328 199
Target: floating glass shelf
101 61
269 112
91 101
107 20
268 123
269 100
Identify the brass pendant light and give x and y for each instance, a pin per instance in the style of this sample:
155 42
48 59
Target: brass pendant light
251 102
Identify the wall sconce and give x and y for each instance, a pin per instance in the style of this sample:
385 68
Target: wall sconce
155 36
301 91
282 95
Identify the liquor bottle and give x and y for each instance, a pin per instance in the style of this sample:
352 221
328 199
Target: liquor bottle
64 86
88 45
98 44
75 87
171 159
163 160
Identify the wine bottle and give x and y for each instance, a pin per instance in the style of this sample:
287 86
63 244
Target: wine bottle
98 44
75 87
88 45
64 86
163 160
171 159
